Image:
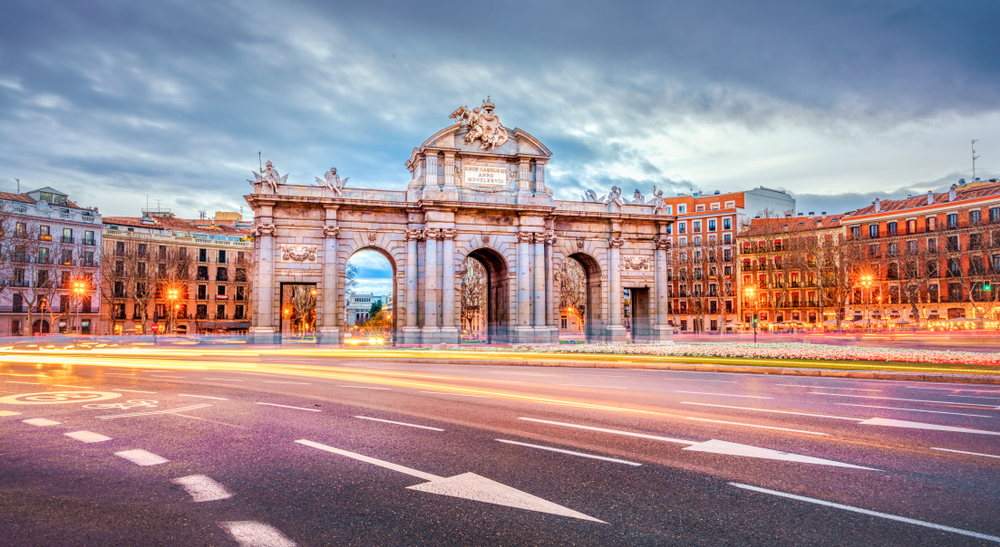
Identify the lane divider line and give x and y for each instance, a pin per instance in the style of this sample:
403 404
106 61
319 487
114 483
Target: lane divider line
867 512
64 385
87 436
964 452
399 423
827 387
570 452
612 431
776 411
40 422
202 488
141 457
365 387
760 426
598 387
202 397
725 394
953 403
456 394
295 407
249 533
916 410
170 411
17 382
133 391
9 413
277 382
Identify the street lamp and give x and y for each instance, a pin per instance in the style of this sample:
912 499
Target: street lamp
79 289
866 282
749 293
172 295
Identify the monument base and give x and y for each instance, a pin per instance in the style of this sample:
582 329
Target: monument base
448 335
262 335
411 336
617 335
662 334
328 336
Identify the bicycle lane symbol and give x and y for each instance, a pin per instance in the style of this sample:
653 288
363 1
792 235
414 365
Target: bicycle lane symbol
58 397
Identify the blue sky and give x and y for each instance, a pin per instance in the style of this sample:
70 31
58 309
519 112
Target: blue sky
374 272
113 101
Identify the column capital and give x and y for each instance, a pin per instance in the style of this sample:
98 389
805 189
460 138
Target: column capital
550 238
616 242
448 233
331 231
663 244
525 237
413 235
432 233
263 229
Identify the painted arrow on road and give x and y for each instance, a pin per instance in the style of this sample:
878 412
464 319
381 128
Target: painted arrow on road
468 486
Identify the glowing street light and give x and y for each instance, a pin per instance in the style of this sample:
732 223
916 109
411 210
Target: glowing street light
172 295
748 292
866 283
79 290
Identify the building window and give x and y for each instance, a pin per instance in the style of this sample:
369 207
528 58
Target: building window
202 273
163 252
699 208
240 292
221 274
855 232
681 227
975 217
911 226
727 239
142 250
696 227
239 313
892 228
202 255
995 215
67 236
220 311
681 209
222 257
727 223
202 292
711 225
44 233
873 230
220 293
202 311
952 220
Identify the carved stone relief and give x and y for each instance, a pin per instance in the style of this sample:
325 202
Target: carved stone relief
298 253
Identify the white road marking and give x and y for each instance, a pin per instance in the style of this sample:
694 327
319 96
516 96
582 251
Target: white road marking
827 387
63 385
256 534
399 423
932 427
760 426
598 387
170 411
917 410
456 394
17 382
612 431
279 382
224 379
87 436
162 376
964 452
9 413
694 380
725 394
776 411
202 488
295 407
953 389
570 452
364 387
133 391
141 457
867 512
468 486
734 449
202 397
892 399
975 397
116 374
602 375
16 374
40 422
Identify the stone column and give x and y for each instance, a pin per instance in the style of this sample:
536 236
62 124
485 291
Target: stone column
616 332
411 332
329 332
538 291
449 330
263 331
523 330
662 331
432 292
552 315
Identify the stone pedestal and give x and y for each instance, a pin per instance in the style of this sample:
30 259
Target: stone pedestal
328 336
411 336
263 335
663 333
617 334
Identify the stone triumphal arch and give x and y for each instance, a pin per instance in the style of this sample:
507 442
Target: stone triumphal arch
477 189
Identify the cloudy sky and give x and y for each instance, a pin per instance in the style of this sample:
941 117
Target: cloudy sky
114 101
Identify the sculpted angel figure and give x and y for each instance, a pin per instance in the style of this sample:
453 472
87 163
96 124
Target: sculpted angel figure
270 179
333 181
637 198
657 201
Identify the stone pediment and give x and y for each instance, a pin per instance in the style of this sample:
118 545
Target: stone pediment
519 142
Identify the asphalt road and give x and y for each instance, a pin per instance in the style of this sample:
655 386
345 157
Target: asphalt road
243 449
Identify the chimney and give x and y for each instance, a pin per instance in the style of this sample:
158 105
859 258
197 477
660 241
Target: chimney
878 206
930 197
823 214
952 193
811 213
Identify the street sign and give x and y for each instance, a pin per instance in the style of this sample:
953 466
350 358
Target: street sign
155 327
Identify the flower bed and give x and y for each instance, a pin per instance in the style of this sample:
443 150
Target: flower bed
763 351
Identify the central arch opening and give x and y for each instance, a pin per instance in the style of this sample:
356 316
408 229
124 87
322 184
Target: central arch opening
369 318
485 298
579 281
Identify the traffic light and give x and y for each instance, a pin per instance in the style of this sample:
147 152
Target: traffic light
987 287
755 318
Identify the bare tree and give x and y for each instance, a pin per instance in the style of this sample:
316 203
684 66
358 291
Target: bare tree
573 287
473 294
974 275
7 240
119 275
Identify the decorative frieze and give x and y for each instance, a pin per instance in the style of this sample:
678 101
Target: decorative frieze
298 253
635 264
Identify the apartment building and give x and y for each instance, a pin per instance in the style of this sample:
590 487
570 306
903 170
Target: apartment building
932 257
185 277
703 288
50 252
790 272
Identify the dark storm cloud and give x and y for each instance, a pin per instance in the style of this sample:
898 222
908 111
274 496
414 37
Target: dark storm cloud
112 101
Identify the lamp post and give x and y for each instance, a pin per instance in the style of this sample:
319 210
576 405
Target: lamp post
866 283
79 289
749 293
172 295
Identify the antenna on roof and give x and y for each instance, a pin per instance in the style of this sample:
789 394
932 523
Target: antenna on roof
18 185
974 158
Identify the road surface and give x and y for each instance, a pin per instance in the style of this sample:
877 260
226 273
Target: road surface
271 450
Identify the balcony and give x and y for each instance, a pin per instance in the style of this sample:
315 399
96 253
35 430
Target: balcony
67 239
89 241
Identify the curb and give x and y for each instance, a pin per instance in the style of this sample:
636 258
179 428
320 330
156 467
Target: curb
733 369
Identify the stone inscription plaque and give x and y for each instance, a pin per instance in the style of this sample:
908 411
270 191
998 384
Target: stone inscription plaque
485 175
